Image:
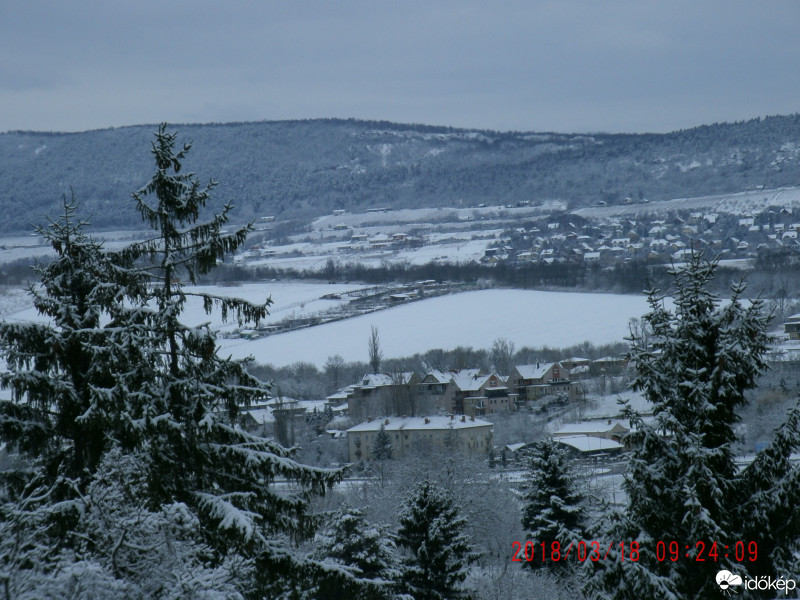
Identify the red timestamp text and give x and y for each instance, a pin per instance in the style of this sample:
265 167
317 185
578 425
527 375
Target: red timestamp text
582 551
711 551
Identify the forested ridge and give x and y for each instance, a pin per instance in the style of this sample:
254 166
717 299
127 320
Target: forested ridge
293 169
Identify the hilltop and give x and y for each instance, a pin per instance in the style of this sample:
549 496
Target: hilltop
302 169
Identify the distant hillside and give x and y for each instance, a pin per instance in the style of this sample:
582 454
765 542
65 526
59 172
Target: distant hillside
303 168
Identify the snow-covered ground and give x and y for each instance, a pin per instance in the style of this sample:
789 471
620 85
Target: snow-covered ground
524 317
289 299
33 246
452 247
749 202
265 414
411 216
13 300
608 407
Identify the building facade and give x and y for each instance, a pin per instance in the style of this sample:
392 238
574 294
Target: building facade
473 437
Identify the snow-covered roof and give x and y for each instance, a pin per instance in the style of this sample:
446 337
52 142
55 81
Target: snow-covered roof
576 359
609 359
469 380
515 447
590 427
438 376
261 415
534 371
588 443
420 424
371 380
341 394
264 414
375 380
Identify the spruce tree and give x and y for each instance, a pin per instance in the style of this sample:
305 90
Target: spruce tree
439 553
382 447
682 482
114 367
768 487
198 455
68 374
369 551
554 509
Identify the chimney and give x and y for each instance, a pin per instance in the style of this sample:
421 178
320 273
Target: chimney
472 417
452 417
462 418
609 421
427 420
386 422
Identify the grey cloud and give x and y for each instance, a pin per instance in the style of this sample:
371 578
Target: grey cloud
567 65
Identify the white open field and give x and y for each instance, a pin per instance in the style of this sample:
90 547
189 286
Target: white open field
289 299
524 317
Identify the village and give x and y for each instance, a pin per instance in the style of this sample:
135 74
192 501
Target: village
653 239
423 412
530 233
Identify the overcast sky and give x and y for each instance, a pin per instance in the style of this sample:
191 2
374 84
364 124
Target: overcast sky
570 66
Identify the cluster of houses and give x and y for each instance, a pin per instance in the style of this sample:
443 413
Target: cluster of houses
469 392
570 238
363 241
445 408
453 403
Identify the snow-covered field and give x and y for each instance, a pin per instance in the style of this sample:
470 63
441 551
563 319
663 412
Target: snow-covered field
450 247
290 299
415 216
608 407
749 202
524 317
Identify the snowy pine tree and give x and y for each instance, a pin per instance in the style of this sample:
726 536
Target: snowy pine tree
115 368
31 564
161 553
368 551
768 487
554 509
69 374
439 553
382 447
118 548
682 483
198 456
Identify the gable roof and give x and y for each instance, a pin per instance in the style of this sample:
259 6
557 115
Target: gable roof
435 376
469 380
373 380
588 427
588 443
534 371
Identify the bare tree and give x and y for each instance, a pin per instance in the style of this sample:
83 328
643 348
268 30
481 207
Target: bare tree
404 399
640 332
333 368
375 354
502 356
